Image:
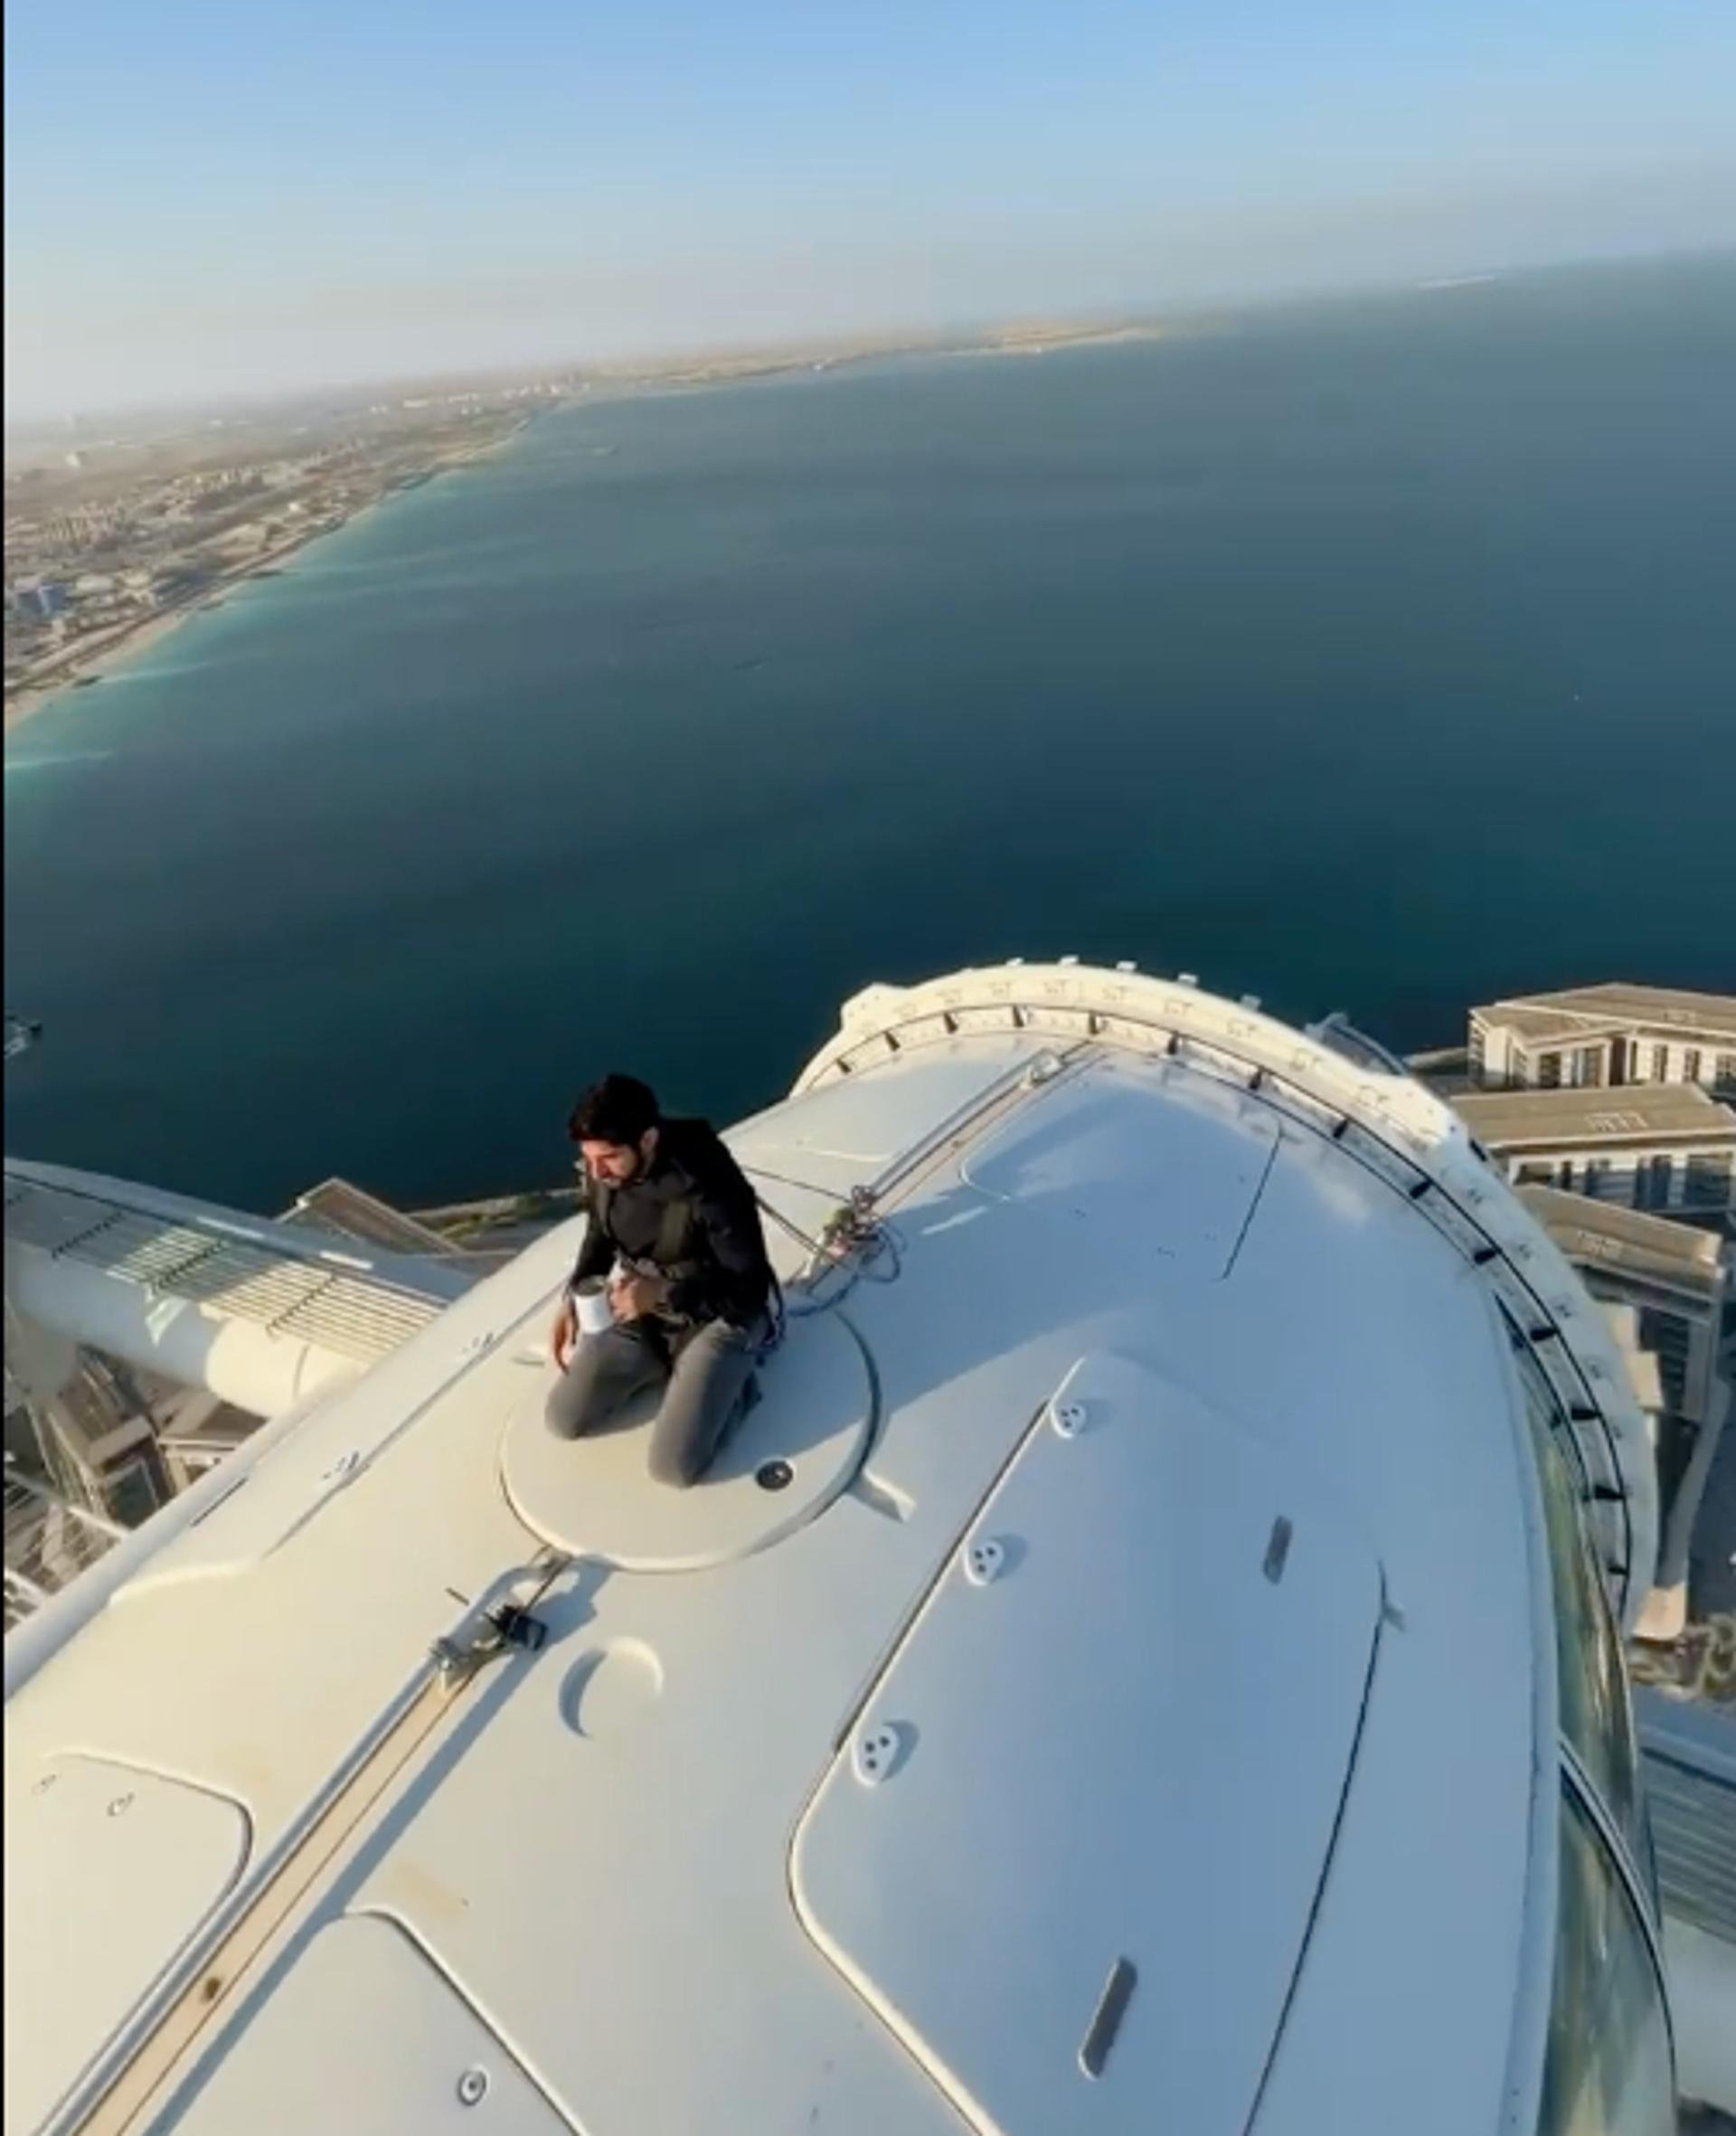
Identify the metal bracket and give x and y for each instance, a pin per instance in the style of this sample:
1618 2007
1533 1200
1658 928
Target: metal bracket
984 1560
517 1627
875 1753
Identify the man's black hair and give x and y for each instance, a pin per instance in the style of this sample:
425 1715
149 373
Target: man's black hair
620 1109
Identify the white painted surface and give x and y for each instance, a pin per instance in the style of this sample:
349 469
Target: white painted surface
594 1845
1128 1748
1177 1196
368 2039
259 1312
109 1872
237 1360
593 1500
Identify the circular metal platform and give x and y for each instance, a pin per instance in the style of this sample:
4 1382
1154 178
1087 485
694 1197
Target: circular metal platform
792 1454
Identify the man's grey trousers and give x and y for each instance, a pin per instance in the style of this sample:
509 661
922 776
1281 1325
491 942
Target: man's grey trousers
703 1371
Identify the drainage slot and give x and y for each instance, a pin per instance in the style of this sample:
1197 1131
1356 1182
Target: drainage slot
1277 1549
1111 2007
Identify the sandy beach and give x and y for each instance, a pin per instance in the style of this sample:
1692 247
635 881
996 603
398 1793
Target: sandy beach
107 652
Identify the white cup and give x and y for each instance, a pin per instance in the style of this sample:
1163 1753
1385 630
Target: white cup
590 1302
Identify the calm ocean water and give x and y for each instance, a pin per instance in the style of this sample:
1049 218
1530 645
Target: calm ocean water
1375 655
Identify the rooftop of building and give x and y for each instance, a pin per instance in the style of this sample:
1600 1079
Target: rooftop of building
1176 1395
339 1209
1636 1114
1580 1012
1630 1239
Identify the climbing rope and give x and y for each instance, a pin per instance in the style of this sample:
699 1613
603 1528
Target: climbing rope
853 1241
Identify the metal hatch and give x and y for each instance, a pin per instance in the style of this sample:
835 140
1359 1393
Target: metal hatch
109 1873
365 2037
795 1449
1174 1185
1070 1851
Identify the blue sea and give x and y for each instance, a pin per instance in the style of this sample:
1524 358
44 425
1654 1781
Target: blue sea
1376 655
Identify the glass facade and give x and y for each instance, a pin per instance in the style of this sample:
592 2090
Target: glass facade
1708 1182
1609 2066
1591 1683
133 1492
1670 1338
1652 1183
1609 2069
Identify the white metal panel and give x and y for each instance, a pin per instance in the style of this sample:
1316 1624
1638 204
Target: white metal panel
788 1459
1176 1194
1071 1768
365 2038
109 1872
848 1130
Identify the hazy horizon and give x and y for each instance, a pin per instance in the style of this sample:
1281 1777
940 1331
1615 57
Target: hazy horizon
39 427
201 209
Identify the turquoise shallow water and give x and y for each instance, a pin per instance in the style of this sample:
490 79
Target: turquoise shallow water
1375 655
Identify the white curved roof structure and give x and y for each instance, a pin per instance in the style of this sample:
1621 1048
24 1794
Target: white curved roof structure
1137 1667
263 1313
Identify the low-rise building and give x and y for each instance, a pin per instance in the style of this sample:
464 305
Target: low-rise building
1605 1037
40 598
1679 1285
1678 1278
1664 1147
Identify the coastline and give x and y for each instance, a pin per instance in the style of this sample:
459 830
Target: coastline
126 642
1032 341
132 641
111 652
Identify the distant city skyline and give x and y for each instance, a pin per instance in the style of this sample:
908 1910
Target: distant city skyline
201 204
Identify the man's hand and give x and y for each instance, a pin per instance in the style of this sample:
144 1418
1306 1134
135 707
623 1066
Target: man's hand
633 1297
564 1332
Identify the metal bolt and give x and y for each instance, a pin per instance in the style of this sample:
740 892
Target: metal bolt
473 2087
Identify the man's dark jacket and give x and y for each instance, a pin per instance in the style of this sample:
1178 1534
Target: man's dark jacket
691 1216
